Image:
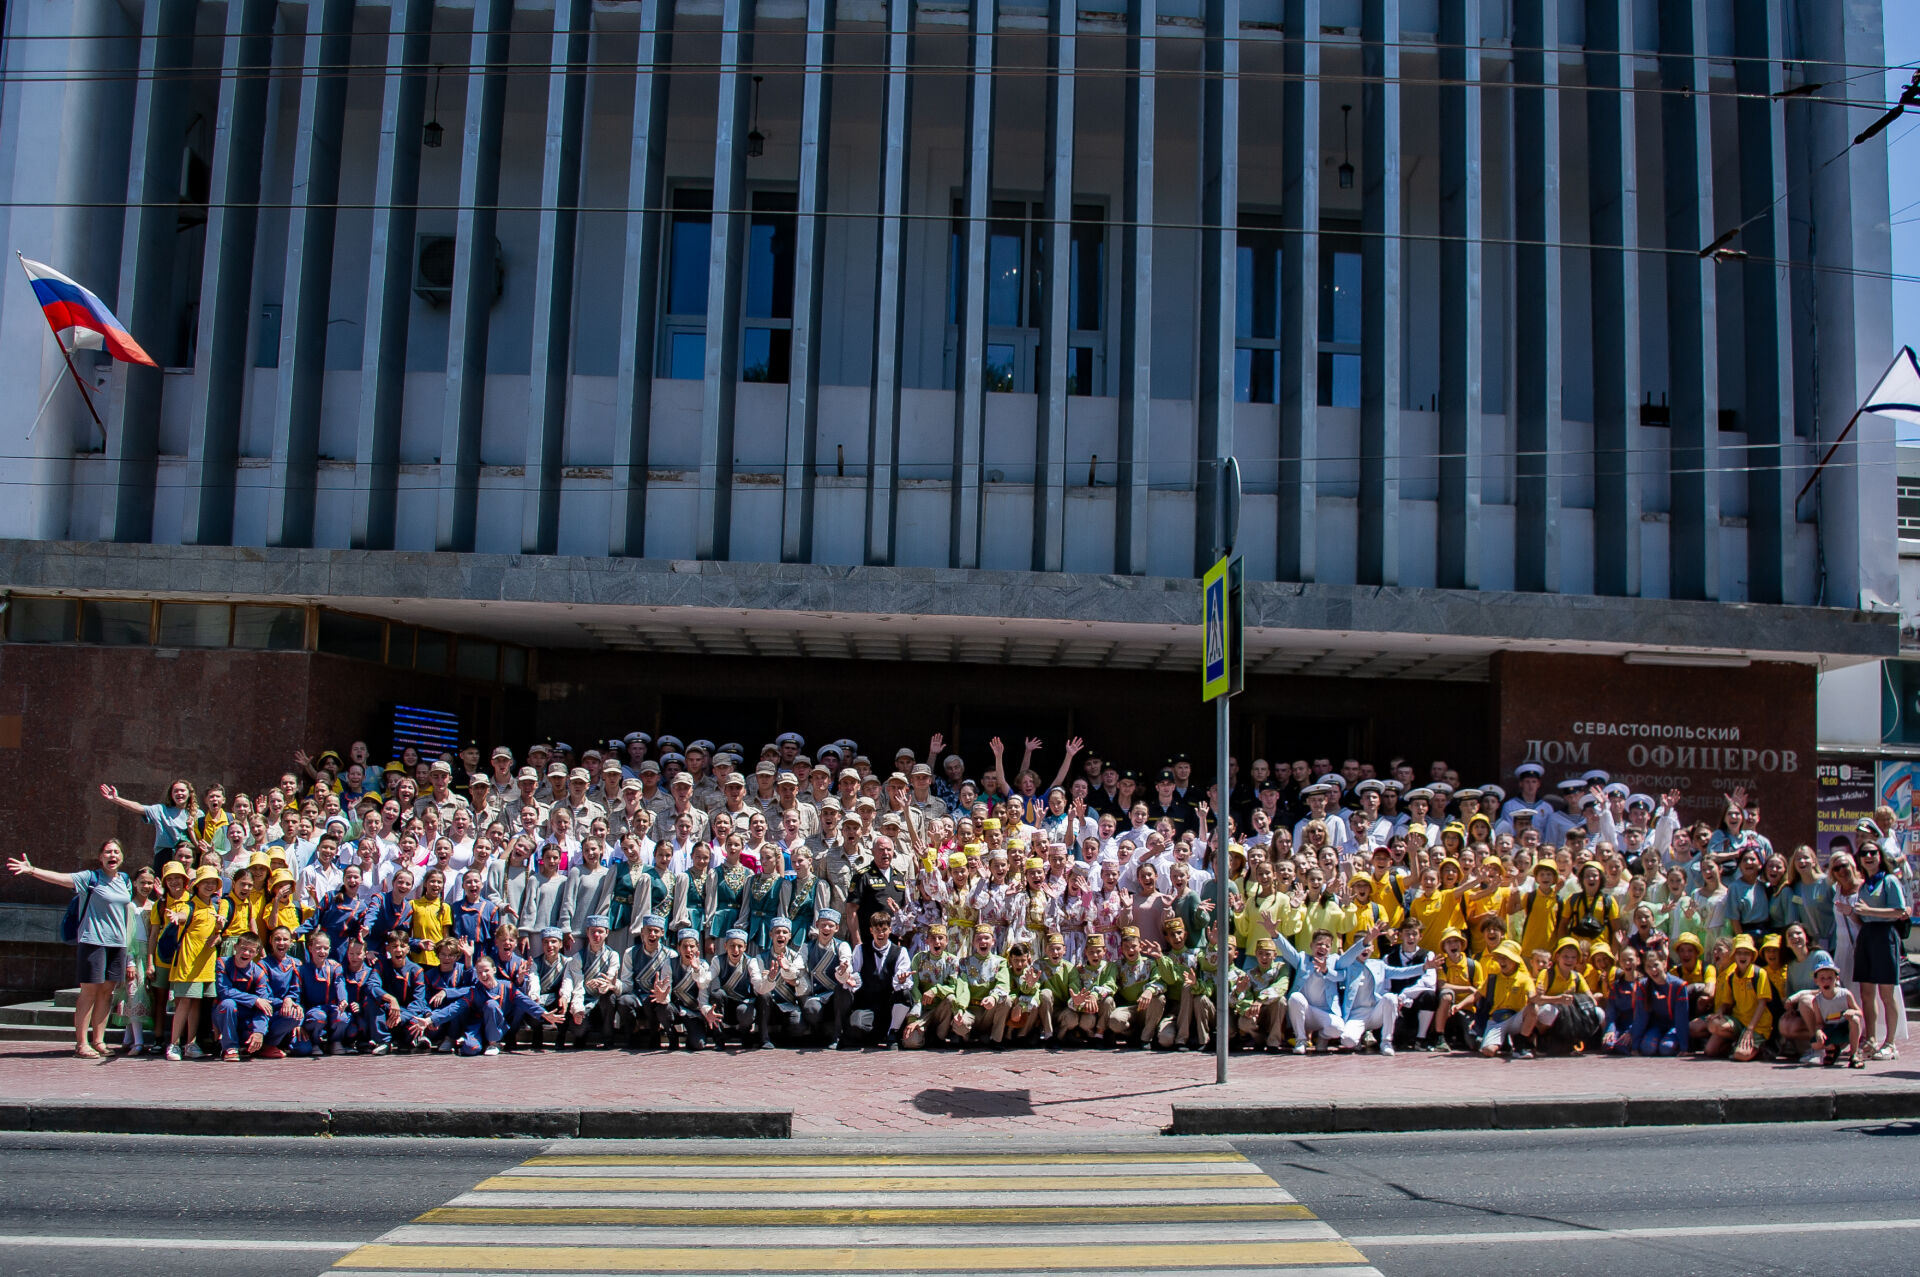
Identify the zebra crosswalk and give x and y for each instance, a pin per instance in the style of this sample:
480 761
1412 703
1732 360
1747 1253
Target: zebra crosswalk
606 1207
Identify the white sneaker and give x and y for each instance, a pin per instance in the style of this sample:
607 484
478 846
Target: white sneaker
1299 1048
194 1052
1813 1055
381 1048
1386 1046
173 1053
491 1050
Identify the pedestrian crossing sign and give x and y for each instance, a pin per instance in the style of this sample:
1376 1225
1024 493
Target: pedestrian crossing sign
1216 659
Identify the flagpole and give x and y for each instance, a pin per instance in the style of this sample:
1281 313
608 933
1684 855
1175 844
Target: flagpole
81 385
1842 436
51 391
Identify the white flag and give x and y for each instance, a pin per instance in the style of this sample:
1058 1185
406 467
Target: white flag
1898 394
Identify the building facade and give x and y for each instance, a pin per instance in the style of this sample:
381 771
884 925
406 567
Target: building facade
664 341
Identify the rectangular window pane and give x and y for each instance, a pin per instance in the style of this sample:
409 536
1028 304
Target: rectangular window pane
690 239
121 624
1088 279
770 249
40 620
269 629
476 659
1346 299
1256 375
1000 368
766 354
400 645
1080 370
514 667
361 637
687 356
1004 274
194 624
1340 381
431 652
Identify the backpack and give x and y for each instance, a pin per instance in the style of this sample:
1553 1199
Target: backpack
76 910
166 945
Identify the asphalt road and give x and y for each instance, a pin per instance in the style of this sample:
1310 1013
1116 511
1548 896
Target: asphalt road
1713 1200
1710 1200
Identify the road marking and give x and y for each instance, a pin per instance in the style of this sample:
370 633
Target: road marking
876 1159
760 1216
1557 1235
176 1243
1198 1212
924 1168
1079 1233
533 1182
791 1259
1142 1201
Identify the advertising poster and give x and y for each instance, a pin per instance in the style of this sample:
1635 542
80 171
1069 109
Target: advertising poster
1844 792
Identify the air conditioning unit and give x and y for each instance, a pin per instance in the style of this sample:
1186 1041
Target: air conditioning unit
433 269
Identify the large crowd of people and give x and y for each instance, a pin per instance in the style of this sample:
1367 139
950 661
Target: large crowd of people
653 893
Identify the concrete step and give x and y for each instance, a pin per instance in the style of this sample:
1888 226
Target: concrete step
47 1033
68 998
32 1013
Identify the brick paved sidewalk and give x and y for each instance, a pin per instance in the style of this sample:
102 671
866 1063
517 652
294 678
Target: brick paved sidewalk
845 1093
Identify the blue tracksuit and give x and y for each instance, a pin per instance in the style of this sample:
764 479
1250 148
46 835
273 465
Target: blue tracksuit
323 1000
407 986
362 988
475 922
454 984
341 918
486 1016
1661 1014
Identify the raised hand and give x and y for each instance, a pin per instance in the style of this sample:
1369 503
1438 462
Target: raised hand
1075 745
935 745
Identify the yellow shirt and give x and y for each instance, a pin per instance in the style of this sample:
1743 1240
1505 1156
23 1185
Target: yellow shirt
1436 911
1466 971
1510 992
1536 917
267 917
1388 890
1560 983
1495 904
432 919
1261 917
1360 917
1740 995
199 945
1697 973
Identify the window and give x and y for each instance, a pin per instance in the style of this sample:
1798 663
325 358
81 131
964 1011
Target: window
1339 315
1907 496
360 637
194 624
116 623
477 659
400 645
430 655
269 629
1259 319
1256 325
766 338
41 620
1016 251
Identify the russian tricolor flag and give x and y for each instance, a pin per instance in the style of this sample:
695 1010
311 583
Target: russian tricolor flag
80 318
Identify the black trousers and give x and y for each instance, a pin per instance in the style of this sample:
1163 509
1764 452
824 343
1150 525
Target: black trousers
881 1003
1407 1027
826 1015
645 1017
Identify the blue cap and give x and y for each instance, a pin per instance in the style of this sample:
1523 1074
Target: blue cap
552 933
785 924
599 920
653 920
734 933
687 933
828 915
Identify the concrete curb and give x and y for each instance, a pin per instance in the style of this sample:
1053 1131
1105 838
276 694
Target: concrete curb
431 1121
1541 1112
